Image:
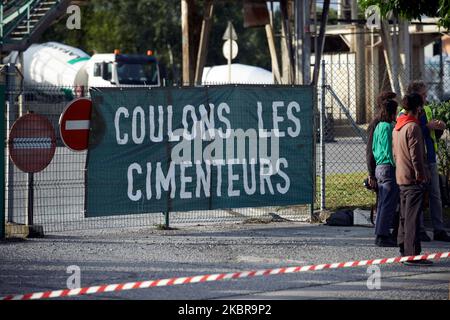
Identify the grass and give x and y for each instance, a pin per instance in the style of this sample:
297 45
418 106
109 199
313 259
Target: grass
347 191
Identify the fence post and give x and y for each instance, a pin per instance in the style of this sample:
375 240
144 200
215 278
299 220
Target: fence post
316 101
322 141
2 162
11 117
166 216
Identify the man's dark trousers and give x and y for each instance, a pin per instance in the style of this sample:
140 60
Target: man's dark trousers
411 205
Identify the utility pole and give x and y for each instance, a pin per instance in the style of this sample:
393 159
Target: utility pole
360 64
185 9
320 41
273 53
441 71
302 41
204 38
287 60
405 51
391 55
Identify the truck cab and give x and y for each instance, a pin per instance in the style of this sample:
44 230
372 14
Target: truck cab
121 70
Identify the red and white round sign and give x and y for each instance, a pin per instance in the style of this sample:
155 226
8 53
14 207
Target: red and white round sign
32 143
74 124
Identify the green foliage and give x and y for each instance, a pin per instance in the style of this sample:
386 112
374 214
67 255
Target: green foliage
131 26
137 26
444 13
410 10
441 111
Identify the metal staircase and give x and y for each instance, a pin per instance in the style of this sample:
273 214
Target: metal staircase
23 21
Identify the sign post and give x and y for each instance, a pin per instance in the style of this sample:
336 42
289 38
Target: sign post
230 47
32 146
30 207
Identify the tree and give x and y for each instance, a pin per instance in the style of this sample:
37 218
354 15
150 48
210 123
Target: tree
137 26
410 10
132 27
395 16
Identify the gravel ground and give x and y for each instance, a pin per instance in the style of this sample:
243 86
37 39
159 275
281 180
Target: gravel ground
122 255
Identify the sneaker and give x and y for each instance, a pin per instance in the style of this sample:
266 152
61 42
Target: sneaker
424 237
441 236
418 263
382 241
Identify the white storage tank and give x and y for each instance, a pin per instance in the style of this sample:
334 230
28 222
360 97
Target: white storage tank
240 73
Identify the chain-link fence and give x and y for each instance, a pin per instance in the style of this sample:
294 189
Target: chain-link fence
348 103
55 197
349 97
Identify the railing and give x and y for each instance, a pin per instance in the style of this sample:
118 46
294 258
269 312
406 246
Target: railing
21 11
14 15
345 110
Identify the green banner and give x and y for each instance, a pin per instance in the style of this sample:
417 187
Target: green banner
182 149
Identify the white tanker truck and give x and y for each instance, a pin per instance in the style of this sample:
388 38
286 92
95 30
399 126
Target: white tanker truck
55 68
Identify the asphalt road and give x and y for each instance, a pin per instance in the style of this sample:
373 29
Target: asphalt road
123 255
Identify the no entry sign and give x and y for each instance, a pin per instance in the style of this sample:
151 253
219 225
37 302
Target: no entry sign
32 143
74 124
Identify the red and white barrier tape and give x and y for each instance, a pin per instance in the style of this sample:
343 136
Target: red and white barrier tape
215 277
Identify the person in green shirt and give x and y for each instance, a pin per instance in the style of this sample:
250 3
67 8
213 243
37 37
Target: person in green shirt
388 191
